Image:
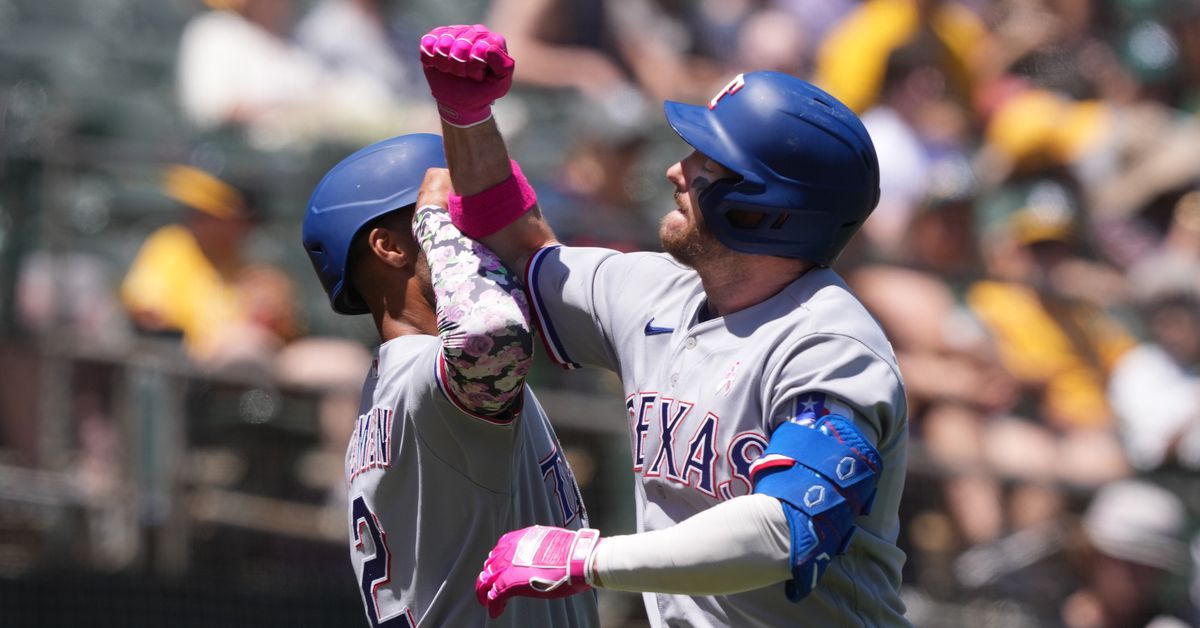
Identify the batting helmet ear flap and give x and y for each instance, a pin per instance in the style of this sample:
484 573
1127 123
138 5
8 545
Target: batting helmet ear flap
715 205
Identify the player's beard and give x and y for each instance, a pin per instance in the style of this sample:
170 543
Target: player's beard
692 243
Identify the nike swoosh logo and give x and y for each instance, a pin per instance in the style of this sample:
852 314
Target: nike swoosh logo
651 330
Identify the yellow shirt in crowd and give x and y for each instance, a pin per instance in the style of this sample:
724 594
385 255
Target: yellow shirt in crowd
1070 359
852 59
172 279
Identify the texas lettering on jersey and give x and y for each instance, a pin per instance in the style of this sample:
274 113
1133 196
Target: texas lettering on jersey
675 441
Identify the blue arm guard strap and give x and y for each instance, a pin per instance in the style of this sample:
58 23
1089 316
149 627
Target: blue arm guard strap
825 474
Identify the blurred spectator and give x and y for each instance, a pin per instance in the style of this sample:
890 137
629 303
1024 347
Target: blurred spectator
354 36
70 292
1057 45
852 60
817 17
1136 533
916 121
1031 130
616 54
956 384
1186 26
597 193
941 235
334 368
1039 305
773 39
192 278
1126 158
1155 388
1124 155
237 68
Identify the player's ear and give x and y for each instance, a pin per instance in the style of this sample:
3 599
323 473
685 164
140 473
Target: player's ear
391 248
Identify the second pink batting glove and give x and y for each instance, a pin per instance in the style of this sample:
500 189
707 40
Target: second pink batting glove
467 68
538 561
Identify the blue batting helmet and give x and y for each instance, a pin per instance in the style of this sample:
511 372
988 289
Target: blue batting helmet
374 181
804 162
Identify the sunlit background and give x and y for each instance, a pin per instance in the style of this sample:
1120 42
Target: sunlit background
176 394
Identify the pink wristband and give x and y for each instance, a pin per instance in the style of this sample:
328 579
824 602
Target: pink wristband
480 215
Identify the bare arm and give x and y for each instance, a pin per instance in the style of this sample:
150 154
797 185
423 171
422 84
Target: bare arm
478 160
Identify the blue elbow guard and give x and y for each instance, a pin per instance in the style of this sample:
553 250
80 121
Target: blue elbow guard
825 474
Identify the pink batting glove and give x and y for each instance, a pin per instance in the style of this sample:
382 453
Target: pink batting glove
467 68
538 561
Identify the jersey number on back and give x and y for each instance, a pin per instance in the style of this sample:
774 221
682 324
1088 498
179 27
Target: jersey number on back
377 569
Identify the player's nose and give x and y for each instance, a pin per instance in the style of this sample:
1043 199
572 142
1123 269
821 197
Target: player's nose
675 176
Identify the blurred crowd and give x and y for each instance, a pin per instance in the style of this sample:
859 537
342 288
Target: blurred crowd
1034 258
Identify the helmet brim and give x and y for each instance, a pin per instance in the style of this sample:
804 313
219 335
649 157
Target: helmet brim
697 126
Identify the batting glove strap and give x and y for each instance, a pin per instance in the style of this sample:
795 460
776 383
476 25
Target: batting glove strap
582 554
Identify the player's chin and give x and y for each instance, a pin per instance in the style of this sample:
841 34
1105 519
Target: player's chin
676 235
676 219
673 226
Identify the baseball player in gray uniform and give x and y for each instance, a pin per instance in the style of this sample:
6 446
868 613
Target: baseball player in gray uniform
766 412
450 448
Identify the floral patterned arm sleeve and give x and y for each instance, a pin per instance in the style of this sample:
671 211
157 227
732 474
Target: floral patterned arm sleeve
483 318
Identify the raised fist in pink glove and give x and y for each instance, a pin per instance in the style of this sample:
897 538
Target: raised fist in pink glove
467 68
537 561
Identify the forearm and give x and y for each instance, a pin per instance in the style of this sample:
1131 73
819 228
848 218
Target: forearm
483 319
478 161
476 155
738 545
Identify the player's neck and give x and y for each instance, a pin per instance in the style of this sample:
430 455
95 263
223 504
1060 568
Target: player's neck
404 316
747 280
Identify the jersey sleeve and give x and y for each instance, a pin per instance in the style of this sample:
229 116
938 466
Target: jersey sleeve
825 373
576 294
483 320
832 403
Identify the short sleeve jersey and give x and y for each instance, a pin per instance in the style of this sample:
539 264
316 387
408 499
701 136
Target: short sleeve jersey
431 488
704 396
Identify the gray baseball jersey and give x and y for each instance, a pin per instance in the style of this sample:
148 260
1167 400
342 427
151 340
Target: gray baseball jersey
432 487
703 398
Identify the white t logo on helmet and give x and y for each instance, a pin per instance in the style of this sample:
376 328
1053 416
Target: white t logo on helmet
731 87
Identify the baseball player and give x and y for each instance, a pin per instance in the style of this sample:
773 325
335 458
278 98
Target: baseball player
766 412
450 448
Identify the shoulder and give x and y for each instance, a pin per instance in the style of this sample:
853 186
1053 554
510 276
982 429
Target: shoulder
628 270
654 268
828 307
411 358
609 257
835 345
